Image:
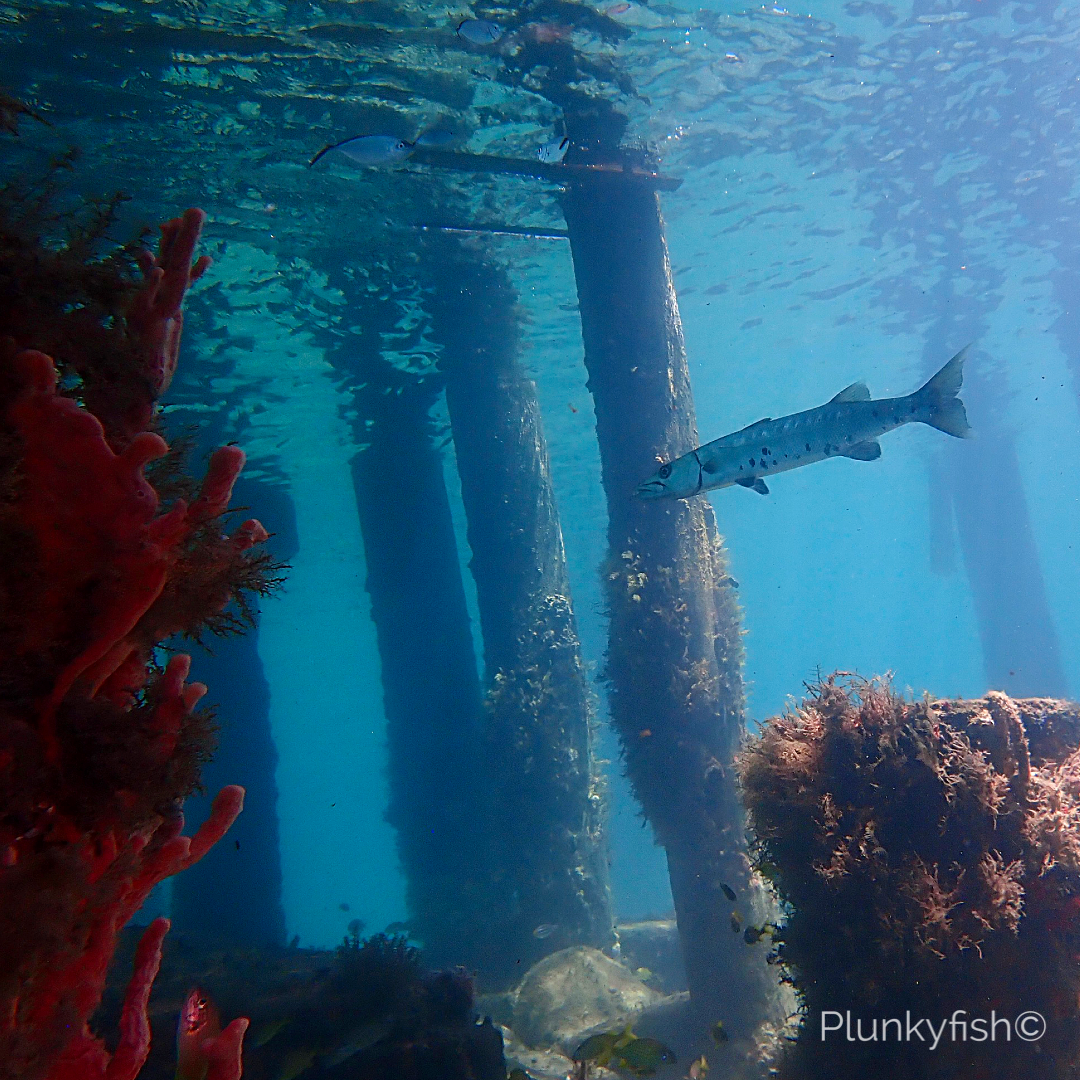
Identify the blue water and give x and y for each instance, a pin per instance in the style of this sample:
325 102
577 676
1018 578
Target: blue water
866 188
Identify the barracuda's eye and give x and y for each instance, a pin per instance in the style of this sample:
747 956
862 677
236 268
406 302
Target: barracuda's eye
665 471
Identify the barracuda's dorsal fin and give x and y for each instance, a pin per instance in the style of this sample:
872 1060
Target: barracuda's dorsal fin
857 391
756 423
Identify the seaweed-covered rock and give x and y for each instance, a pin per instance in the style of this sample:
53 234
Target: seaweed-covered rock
367 1011
928 854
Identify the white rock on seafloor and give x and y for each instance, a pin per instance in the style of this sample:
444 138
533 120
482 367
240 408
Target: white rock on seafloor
576 990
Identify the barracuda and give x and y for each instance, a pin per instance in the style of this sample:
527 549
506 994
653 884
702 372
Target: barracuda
847 426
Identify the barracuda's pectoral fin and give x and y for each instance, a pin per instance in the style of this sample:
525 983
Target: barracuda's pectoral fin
857 391
864 451
754 483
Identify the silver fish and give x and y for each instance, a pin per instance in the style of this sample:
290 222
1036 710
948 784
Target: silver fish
370 149
545 930
479 31
848 426
554 151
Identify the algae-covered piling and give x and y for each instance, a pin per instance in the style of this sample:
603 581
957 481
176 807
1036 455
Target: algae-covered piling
430 687
675 656
548 850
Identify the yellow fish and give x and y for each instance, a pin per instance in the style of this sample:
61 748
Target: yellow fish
601 1049
643 1057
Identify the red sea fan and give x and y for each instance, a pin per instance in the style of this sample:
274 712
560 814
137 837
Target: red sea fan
98 744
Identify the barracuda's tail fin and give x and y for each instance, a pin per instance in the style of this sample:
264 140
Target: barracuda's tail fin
937 402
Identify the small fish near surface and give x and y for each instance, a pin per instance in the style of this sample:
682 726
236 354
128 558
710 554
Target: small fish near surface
370 150
479 31
545 930
553 152
199 1021
847 426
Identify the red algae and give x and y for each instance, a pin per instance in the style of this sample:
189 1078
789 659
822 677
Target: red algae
98 744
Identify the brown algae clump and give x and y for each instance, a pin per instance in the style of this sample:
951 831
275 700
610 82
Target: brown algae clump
928 855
